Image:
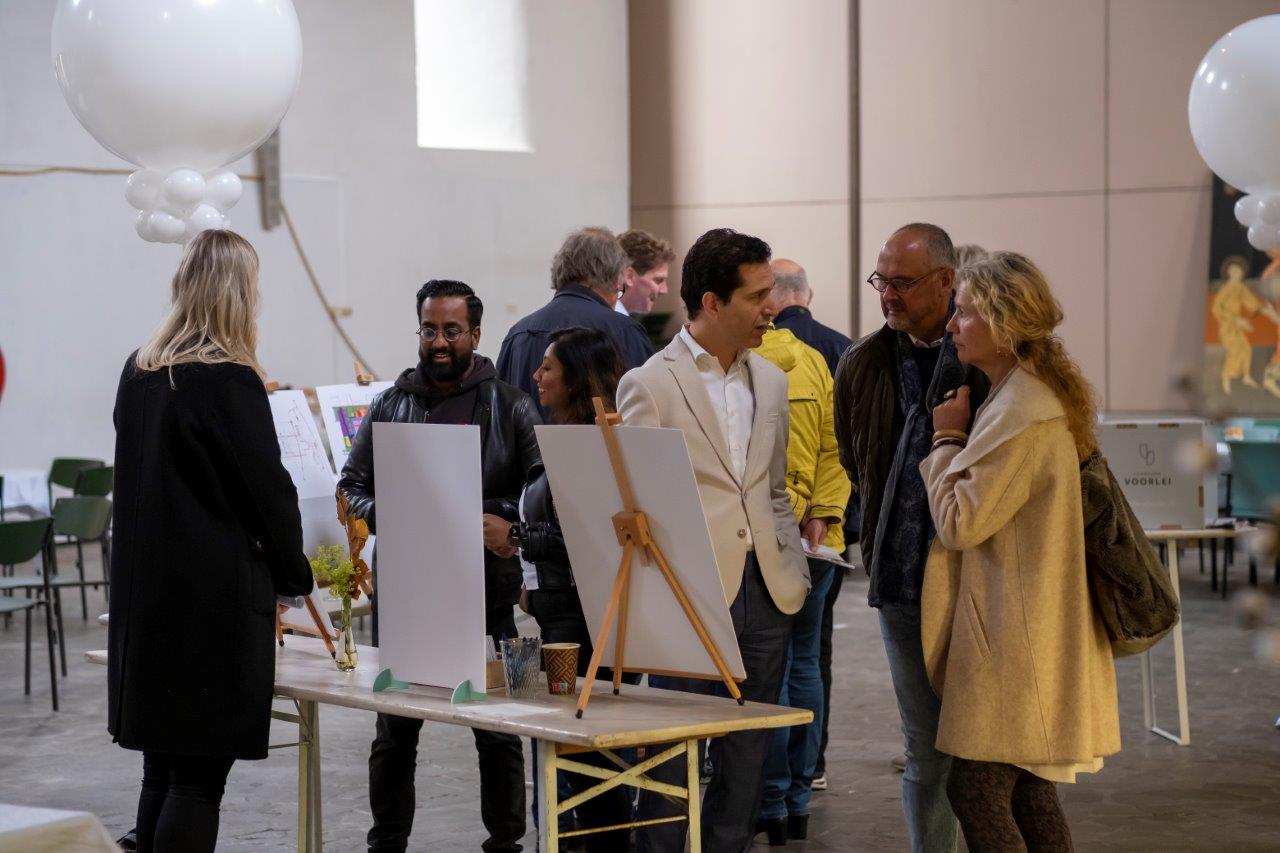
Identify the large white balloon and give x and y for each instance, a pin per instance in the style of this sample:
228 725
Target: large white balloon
1234 107
177 83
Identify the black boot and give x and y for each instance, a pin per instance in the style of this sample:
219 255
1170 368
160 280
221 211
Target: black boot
798 827
777 829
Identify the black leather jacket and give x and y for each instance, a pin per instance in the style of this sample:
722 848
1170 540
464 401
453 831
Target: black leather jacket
508 450
542 540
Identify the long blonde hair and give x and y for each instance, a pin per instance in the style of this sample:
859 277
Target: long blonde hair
215 304
1011 294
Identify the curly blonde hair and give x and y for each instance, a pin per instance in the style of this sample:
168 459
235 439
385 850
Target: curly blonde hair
1011 294
215 304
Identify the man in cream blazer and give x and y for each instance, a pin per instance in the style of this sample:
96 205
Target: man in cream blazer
731 405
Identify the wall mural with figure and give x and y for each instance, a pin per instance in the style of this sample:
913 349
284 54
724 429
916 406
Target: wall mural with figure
1242 320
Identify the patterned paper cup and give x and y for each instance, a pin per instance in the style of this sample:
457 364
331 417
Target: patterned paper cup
561 660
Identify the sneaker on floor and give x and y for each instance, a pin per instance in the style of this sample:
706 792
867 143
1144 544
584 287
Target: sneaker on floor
819 783
899 763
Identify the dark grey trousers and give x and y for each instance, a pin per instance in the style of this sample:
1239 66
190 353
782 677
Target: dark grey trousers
732 801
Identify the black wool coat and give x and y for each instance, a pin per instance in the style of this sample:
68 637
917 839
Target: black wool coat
206 534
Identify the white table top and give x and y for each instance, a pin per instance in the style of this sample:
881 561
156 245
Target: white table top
641 715
1198 533
26 829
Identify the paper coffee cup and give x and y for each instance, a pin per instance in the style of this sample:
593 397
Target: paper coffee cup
561 661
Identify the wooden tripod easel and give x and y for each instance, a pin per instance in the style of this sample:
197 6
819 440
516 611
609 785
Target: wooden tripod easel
632 528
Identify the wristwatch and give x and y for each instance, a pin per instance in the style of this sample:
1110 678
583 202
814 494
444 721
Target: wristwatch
515 536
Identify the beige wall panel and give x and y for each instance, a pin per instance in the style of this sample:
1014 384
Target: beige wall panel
1063 235
1155 48
815 236
739 101
980 96
1158 261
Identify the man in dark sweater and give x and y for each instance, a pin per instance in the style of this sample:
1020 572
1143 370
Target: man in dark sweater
791 284
453 385
886 388
586 275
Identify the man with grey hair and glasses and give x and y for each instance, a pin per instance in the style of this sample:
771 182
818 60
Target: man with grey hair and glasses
886 388
586 275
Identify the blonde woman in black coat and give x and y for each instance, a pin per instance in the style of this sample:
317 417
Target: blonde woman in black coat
207 534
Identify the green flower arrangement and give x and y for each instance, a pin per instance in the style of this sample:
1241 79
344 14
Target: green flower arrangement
332 566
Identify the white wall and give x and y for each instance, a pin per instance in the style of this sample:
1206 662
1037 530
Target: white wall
1058 130
740 118
377 215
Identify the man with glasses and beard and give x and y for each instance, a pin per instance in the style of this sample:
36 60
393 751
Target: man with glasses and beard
453 385
886 388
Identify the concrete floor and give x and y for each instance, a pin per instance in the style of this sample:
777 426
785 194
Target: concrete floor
1221 793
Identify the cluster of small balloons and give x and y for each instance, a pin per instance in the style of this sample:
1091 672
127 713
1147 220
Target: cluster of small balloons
175 207
1261 215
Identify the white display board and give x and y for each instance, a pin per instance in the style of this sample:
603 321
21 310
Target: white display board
1152 459
659 637
430 583
342 409
304 458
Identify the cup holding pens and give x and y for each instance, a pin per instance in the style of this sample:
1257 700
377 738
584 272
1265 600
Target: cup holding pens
521 657
562 668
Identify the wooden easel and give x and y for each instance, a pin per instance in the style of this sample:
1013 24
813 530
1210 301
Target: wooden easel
632 529
357 535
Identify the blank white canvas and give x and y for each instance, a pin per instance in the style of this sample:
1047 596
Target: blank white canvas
334 397
430 584
659 637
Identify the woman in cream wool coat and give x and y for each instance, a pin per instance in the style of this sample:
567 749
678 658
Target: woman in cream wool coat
1013 646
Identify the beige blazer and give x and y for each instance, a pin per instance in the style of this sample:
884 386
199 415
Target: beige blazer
1012 643
666 391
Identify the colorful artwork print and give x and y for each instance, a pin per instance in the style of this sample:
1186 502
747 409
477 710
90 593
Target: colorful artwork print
349 418
1242 317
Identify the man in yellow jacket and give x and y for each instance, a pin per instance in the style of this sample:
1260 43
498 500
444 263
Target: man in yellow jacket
819 490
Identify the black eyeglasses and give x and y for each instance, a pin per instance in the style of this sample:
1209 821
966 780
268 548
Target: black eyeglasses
451 334
901 285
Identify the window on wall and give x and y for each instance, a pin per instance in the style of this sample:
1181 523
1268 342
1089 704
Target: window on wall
472 74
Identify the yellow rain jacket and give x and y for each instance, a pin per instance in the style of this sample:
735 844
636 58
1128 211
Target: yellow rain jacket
816 481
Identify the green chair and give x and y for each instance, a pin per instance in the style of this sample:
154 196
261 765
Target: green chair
64 471
99 481
21 541
84 518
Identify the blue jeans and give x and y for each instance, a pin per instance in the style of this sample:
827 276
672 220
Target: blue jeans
931 825
793 752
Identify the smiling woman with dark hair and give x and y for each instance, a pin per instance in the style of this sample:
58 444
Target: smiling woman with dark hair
579 364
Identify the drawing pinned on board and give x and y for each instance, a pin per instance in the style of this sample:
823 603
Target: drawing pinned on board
343 409
300 448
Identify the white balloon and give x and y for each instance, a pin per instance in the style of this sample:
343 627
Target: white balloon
1263 236
177 83
1248 209
1234 106
183 189
203 218
222 189
1270 210
166 228
143 189
143 226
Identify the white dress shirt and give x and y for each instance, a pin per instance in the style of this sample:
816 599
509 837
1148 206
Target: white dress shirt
731 396
619 308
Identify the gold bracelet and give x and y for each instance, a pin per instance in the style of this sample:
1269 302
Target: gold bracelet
950 433
943 442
